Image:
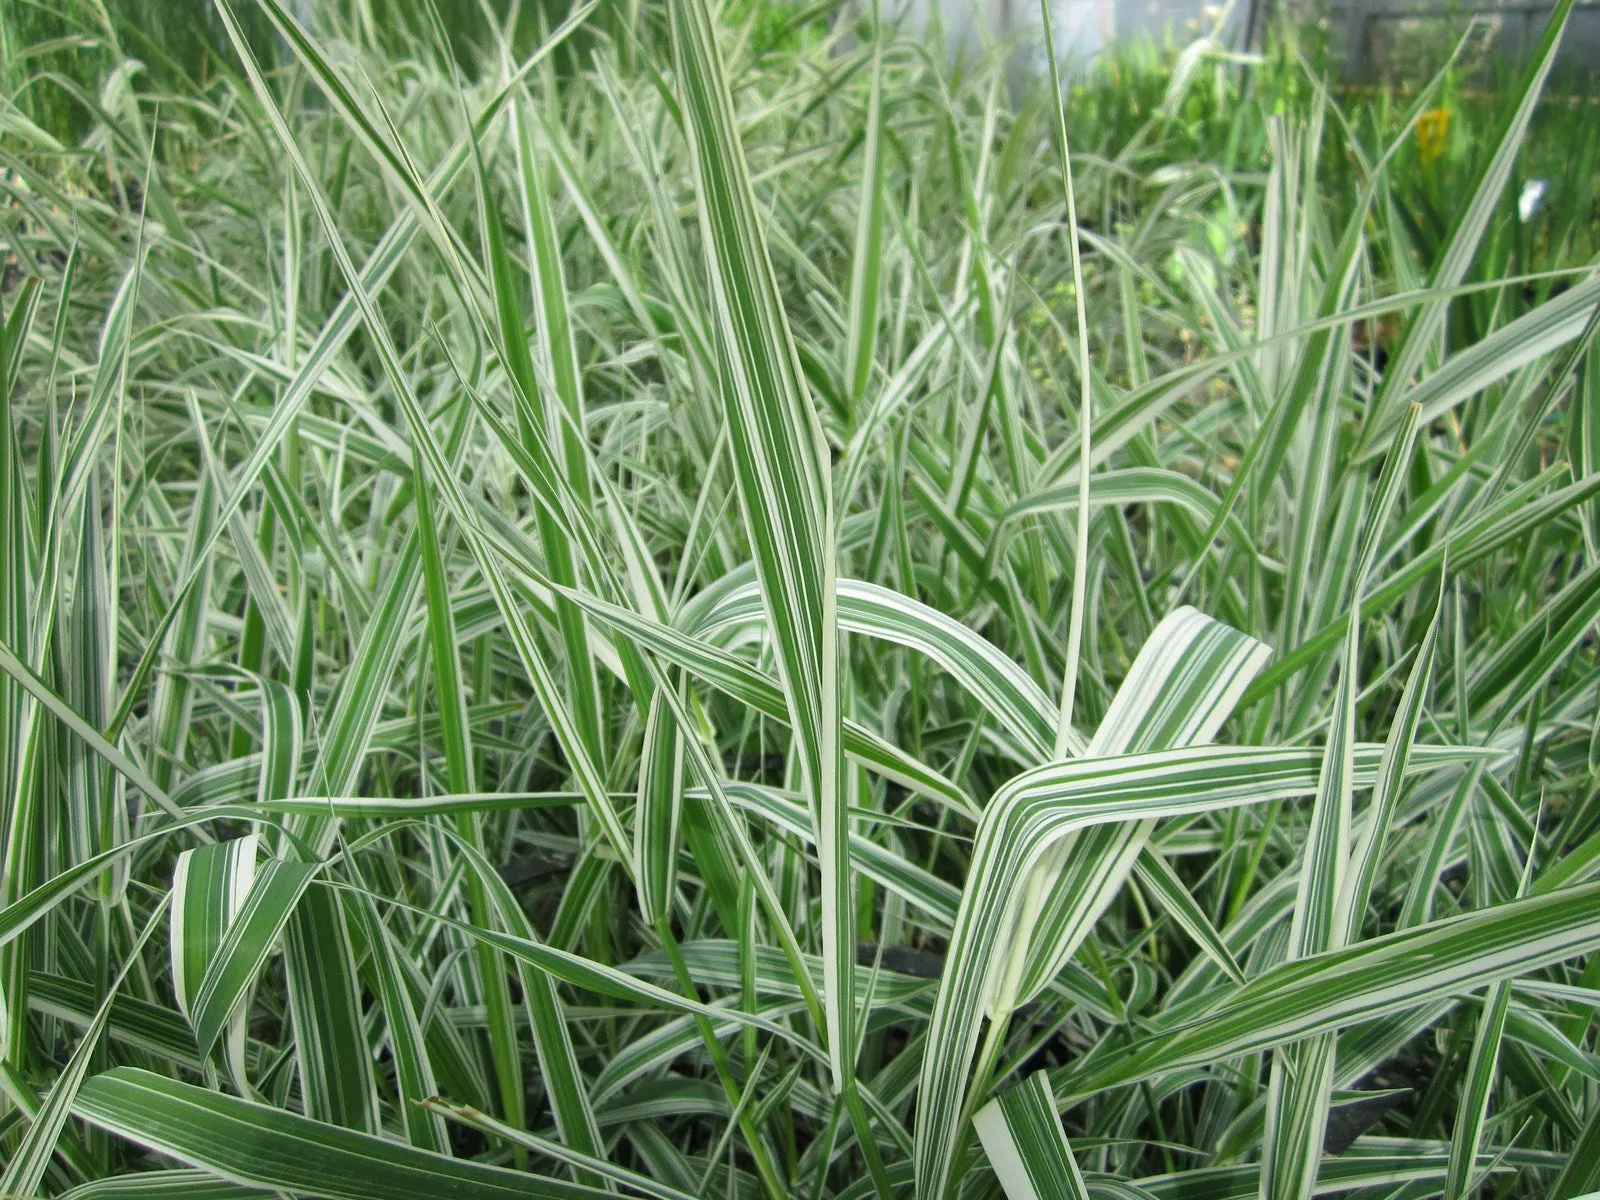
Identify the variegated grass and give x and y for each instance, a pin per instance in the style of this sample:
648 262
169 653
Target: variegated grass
686 613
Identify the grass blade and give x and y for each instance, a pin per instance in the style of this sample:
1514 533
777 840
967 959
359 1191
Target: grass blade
781 467
1026 1145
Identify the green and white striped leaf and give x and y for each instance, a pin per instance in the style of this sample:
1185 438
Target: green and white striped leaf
1467 229
782 469
330 1036
182 1183
211 887
1184 684
999 684
1301 1086
1344 987
1026 1145
255 1145
28 1163
407 1044
659 811
252 933
1028 819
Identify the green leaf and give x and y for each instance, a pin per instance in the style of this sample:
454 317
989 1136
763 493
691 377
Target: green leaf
781 467
330 1037
1343 987
251 933
27 1166
1026 1145
1466 231
1029 818
866 263
255 1145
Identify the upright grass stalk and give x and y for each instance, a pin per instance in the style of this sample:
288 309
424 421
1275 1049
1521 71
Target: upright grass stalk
1080 544
465 504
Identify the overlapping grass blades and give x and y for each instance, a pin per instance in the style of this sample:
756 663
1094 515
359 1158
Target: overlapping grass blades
668 613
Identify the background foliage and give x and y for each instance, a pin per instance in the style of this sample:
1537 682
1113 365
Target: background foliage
611 601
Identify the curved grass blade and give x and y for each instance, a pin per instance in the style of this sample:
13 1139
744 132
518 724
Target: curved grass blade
259 1146
1028 819
1344 987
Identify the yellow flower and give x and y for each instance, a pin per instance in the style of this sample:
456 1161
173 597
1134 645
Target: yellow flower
1432 126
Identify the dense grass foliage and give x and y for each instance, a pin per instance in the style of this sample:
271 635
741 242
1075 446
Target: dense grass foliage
684 608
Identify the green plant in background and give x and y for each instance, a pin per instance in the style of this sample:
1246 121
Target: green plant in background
64 59
735 614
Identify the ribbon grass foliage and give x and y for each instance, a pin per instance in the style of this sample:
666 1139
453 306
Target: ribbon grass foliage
675 609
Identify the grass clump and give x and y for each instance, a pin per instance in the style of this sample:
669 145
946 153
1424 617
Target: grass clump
639 611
